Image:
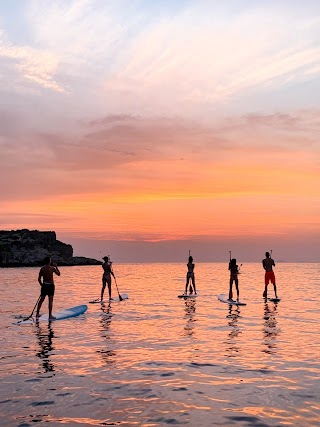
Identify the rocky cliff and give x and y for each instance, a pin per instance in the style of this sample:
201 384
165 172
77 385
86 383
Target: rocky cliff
28 248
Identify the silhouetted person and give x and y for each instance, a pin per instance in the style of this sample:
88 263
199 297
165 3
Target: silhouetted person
268 263
190 277
46 282
106 277
234 271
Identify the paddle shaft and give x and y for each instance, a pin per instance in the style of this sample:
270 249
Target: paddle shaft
115 281
120 297
32 310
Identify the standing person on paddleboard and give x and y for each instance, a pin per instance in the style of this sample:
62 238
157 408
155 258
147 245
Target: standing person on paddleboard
190 277
106 277
267 263
234 271
46 282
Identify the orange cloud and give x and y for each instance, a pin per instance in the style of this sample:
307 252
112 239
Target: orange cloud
129 177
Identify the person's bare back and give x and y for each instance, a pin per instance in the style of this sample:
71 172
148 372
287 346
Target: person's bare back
268 263
46 273
46 282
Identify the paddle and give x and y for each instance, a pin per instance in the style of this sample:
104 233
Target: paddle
115 281
120 297
27 318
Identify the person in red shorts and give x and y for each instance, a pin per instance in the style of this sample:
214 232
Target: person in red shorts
268 263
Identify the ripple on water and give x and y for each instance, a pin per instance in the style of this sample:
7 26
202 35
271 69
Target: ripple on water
157 360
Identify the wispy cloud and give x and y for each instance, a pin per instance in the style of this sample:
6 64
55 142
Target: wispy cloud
211 62
36 65
134 158
194 56
151 116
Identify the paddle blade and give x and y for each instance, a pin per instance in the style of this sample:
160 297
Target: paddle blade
23 320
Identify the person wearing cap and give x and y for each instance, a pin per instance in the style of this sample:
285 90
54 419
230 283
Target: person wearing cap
106 277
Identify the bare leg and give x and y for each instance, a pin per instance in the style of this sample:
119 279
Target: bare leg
275 290
50 297
104 282
230 289
191 289
187 283
194 284
237 287
109 286
39 305
265 293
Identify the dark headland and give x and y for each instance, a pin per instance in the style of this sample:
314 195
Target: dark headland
28 248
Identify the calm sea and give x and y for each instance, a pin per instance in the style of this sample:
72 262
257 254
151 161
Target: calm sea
156 360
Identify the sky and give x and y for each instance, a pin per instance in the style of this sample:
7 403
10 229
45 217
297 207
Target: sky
148 129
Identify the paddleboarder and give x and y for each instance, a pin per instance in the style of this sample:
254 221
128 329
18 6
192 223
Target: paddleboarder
46 282
234 271
190 277
106 277
268 263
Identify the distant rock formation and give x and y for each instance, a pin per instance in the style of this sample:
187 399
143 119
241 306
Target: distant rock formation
28 248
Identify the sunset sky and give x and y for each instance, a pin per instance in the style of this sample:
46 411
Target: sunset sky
145 129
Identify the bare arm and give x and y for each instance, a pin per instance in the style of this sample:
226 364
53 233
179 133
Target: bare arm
39 277
56 270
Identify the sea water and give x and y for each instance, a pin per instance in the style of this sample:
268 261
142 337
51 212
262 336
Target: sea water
155 359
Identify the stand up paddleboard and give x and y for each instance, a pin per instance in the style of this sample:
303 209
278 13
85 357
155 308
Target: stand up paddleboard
224 298
59 315
187 296
274 299
105 301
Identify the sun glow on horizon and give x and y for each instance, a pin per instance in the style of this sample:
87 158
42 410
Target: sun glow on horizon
147 127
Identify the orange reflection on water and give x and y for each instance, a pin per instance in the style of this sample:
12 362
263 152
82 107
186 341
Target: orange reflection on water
157 359
270 327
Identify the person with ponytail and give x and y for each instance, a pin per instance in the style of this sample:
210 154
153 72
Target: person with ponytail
190 277
106 277
234 271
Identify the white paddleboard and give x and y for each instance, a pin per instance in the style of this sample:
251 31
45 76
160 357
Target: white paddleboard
105 301
225 298
59 315
187 296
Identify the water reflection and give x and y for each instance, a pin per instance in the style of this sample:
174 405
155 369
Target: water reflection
107 355
233 317
190 311
45 335
270 328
